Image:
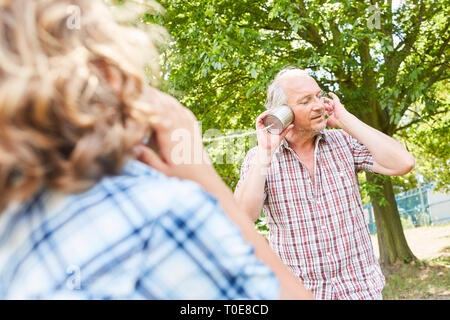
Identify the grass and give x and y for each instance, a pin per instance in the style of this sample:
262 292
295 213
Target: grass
424 279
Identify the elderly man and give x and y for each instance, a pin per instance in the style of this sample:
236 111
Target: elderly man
305 180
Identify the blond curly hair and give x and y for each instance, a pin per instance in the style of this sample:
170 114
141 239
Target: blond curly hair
63 125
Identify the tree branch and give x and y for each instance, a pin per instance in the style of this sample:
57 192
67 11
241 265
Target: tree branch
403 49
311 33
420 119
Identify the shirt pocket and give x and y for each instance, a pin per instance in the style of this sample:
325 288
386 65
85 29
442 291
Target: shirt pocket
341 185
343 182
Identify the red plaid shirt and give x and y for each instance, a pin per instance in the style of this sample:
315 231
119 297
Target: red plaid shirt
319 231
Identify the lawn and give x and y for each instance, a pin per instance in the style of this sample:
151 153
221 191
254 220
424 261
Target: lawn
428 278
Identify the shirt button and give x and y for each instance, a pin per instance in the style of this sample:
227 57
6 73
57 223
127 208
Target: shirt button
341 174
324 227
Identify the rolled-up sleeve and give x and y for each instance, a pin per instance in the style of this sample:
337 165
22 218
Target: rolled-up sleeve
363 159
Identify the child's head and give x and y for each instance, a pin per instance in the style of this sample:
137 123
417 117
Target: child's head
70 77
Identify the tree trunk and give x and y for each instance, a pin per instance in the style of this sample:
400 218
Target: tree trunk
391 239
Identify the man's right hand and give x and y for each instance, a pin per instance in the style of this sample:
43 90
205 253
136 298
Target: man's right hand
267 142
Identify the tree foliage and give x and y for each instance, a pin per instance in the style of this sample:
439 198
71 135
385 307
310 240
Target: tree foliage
429 141
380 59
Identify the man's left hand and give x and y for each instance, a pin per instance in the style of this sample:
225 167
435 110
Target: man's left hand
335 110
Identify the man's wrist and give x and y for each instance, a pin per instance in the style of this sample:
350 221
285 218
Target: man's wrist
264 157
345 120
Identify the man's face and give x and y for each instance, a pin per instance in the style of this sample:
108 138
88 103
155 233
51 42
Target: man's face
303 97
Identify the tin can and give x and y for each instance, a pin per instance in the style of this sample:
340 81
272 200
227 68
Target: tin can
279 118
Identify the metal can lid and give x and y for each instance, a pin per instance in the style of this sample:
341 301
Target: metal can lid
280 117
275 123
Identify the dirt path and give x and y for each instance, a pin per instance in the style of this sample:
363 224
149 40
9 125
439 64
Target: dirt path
425 242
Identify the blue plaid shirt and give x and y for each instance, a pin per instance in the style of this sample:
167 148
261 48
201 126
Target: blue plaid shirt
138 235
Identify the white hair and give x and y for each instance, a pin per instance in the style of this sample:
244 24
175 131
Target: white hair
275 94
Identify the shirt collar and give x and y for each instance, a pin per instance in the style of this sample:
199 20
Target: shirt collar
284 144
